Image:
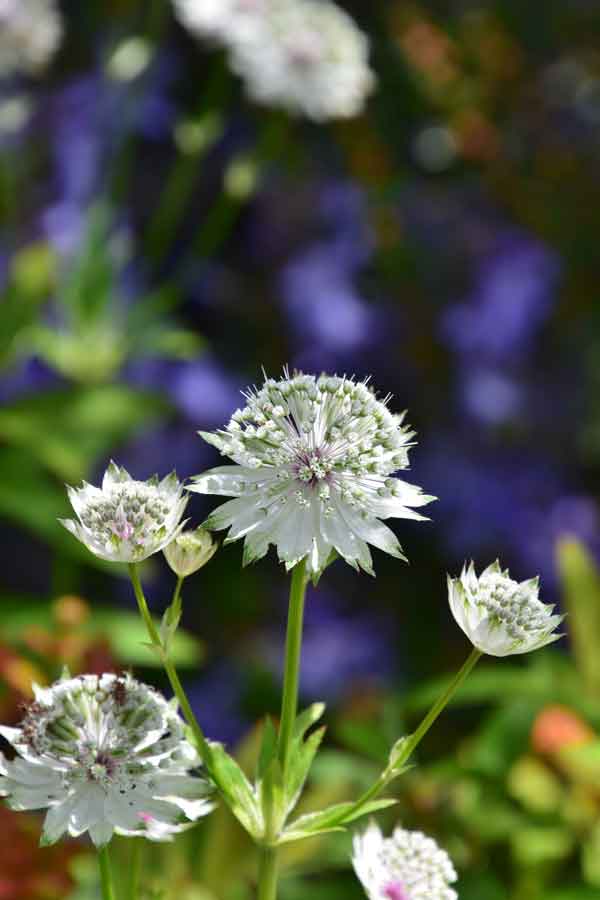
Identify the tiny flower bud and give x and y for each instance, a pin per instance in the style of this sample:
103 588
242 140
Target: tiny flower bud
190 551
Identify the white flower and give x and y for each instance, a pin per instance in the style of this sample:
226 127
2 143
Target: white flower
190 551
127 520
307 56
501 616
222 20
313 459
30 32
103 754
407 866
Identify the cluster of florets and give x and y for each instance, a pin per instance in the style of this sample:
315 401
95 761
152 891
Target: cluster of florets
127 520
501 616
30 32
313 459
408 865
307 56
318 428
103 753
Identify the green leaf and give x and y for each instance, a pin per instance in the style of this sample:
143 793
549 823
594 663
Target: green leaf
67 431
268 748
302 753
237 791
581 587
331 819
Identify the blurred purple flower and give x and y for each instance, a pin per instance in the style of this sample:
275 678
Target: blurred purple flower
216 700
490 396
205 392
340 651
27 377
512 297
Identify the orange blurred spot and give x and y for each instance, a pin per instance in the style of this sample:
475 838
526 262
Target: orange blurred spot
71 611
558 726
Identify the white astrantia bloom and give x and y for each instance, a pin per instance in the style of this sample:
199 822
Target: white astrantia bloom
307 56
127 520
314 459
104 754
500 616
30 32
221 20
406 866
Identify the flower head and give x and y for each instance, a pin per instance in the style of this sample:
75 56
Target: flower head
222 20
407 866
190 551
314 459
500 616
127 520
30 32
103 754
306 56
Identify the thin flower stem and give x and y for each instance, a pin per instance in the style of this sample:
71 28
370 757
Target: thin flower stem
201 742
135 864
108 892
417 736
267 874
293 648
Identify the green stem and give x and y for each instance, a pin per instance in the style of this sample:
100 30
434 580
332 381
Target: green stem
267 874
201 742
293 648
417 736
108 892
135 869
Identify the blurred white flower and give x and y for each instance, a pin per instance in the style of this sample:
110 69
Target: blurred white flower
190 551
220 20
407 866
127 520
103 754
500 616
30 33
307 56
313 463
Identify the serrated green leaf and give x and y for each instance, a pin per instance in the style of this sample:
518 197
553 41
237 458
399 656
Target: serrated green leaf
237 791
332 819
268 747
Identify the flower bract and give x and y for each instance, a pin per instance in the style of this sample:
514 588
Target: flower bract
127 520
406 866
314 459
500 616
104 754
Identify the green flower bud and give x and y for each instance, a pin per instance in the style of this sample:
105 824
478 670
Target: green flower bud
190 551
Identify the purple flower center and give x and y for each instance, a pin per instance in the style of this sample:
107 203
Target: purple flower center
395 890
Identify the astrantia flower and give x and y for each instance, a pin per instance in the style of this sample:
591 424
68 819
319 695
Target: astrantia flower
30 32
127 520
103 754
314 458
307 56
407 866
222 20
501 616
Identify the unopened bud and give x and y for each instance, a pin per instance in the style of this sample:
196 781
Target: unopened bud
190 551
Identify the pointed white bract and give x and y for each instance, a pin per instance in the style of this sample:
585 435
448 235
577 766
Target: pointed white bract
127 520
406 866
104 754
307 56
30 32
500 616
313 464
